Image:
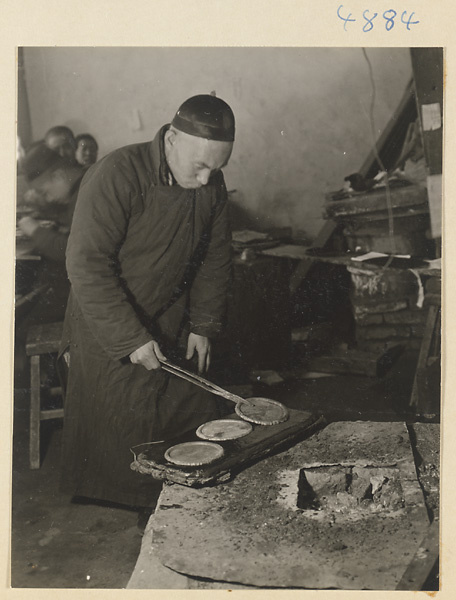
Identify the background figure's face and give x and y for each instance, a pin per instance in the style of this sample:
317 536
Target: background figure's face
86 152
193 160
62 144
52 187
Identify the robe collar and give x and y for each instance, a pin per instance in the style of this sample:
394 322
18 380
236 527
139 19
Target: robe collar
160 165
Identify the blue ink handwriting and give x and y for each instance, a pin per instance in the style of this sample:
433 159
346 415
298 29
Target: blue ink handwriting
389 19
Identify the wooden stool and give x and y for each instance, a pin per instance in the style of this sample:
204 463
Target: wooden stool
41 339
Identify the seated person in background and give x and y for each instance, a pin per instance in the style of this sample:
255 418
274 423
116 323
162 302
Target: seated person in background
61 140
86 150
54 183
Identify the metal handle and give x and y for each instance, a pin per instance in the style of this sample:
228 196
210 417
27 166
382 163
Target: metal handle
200 381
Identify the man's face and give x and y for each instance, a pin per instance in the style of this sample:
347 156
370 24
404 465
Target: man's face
86 152
52 187
62 144
193 160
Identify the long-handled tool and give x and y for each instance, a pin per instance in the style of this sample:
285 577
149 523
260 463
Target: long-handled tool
261 411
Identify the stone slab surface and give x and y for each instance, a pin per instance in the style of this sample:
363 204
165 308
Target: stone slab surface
151 574
251 530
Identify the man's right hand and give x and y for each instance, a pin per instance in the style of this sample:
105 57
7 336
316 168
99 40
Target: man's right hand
148 356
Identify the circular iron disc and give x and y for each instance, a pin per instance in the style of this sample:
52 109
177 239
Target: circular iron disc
262 411
194 454
223 429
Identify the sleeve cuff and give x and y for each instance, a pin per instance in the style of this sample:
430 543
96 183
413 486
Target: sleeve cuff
209 330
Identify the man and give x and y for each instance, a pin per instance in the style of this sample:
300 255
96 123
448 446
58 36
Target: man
86 149
54 184
149 260
61 140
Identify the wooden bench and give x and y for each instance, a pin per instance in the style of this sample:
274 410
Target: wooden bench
41 339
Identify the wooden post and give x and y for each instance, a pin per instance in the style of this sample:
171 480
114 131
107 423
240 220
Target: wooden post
430 329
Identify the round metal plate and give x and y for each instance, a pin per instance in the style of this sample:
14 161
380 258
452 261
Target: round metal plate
193 454
223 429
262 411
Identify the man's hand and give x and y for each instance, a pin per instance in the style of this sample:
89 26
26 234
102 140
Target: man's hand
28 225
148 356
202 345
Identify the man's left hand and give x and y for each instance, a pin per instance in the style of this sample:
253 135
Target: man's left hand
202 345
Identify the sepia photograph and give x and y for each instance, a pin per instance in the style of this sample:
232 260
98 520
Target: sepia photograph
227 323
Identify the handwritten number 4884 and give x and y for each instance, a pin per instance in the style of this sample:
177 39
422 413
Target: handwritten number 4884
389 16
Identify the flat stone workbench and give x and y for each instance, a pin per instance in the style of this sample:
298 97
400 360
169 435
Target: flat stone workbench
303 518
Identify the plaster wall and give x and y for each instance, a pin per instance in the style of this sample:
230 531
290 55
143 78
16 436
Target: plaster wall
302 113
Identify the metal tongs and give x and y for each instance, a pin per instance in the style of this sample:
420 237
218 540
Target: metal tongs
201 382
243 406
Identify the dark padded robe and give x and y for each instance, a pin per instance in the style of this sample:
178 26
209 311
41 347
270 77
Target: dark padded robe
146 260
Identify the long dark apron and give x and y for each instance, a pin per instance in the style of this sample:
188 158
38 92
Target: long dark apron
113 405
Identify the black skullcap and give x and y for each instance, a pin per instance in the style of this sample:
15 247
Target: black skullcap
38 160
207 117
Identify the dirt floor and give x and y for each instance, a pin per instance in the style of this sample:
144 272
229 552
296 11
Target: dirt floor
59 543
